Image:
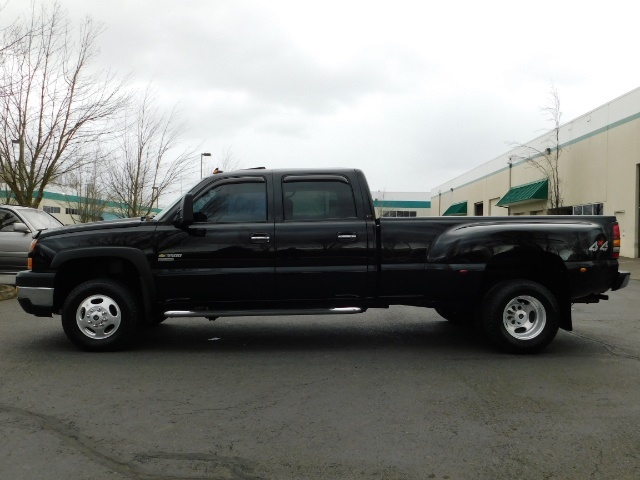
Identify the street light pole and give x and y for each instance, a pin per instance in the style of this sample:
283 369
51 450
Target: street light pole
154 193
203 155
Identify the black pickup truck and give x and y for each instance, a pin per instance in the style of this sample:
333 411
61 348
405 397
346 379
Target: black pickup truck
278 242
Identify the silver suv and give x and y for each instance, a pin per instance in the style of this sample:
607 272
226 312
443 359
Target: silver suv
17 226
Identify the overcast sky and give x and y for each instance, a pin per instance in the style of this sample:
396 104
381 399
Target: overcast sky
414 93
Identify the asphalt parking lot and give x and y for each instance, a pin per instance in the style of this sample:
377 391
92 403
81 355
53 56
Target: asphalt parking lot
389 394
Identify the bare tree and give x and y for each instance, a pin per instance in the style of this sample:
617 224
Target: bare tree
9 36
85 194
53 103
228 160
547 161
148 161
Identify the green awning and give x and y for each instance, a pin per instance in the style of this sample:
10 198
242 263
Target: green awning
459 208
528 192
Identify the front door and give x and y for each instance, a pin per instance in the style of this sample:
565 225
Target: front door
228 253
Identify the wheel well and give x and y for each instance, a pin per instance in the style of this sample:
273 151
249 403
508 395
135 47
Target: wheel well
74 272
544 268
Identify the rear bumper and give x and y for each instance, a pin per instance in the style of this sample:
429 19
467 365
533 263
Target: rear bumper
621 280
35 293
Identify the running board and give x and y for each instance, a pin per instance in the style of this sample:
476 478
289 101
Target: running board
261 313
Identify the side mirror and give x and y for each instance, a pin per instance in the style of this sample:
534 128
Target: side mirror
21 227
184 215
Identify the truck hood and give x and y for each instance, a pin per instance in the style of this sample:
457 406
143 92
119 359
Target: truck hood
101 225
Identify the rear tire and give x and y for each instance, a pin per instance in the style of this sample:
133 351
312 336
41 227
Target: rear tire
520 316
100 315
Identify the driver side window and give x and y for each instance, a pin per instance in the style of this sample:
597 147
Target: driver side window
232 202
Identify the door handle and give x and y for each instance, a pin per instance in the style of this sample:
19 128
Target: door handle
260 238
347 236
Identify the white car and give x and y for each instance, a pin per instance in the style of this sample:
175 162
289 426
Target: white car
17 226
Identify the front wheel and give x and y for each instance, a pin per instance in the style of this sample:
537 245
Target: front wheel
100 315
520 316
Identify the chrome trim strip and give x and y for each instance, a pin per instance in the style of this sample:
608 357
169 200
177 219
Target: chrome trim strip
261 313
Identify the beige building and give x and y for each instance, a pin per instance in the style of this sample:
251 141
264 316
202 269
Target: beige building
599 171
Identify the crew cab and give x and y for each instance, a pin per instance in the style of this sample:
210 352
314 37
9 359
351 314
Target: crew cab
276 242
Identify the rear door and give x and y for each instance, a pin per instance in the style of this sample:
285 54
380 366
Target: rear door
322 246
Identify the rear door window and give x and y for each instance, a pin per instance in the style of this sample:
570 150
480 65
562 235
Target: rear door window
318 200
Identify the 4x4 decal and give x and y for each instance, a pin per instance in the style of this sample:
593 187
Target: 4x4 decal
599 245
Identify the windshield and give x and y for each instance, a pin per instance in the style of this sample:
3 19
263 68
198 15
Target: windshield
165 210
40 220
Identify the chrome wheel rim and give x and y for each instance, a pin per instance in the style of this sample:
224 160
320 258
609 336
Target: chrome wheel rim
98 317
524 317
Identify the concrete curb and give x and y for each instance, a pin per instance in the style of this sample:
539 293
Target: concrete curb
7 292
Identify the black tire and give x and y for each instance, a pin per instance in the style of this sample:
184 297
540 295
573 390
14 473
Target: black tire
113 321
459 316
520 316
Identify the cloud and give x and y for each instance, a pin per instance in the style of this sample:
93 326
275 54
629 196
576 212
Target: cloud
414 93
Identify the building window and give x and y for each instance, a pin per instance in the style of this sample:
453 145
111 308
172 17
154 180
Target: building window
589 209
49 209
399 213
72 211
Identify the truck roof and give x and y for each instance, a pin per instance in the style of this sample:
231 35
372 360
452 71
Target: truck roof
258 170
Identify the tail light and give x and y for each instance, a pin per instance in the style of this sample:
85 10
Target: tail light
616 240
29 257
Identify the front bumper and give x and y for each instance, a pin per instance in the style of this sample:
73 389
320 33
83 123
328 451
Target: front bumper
35 292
